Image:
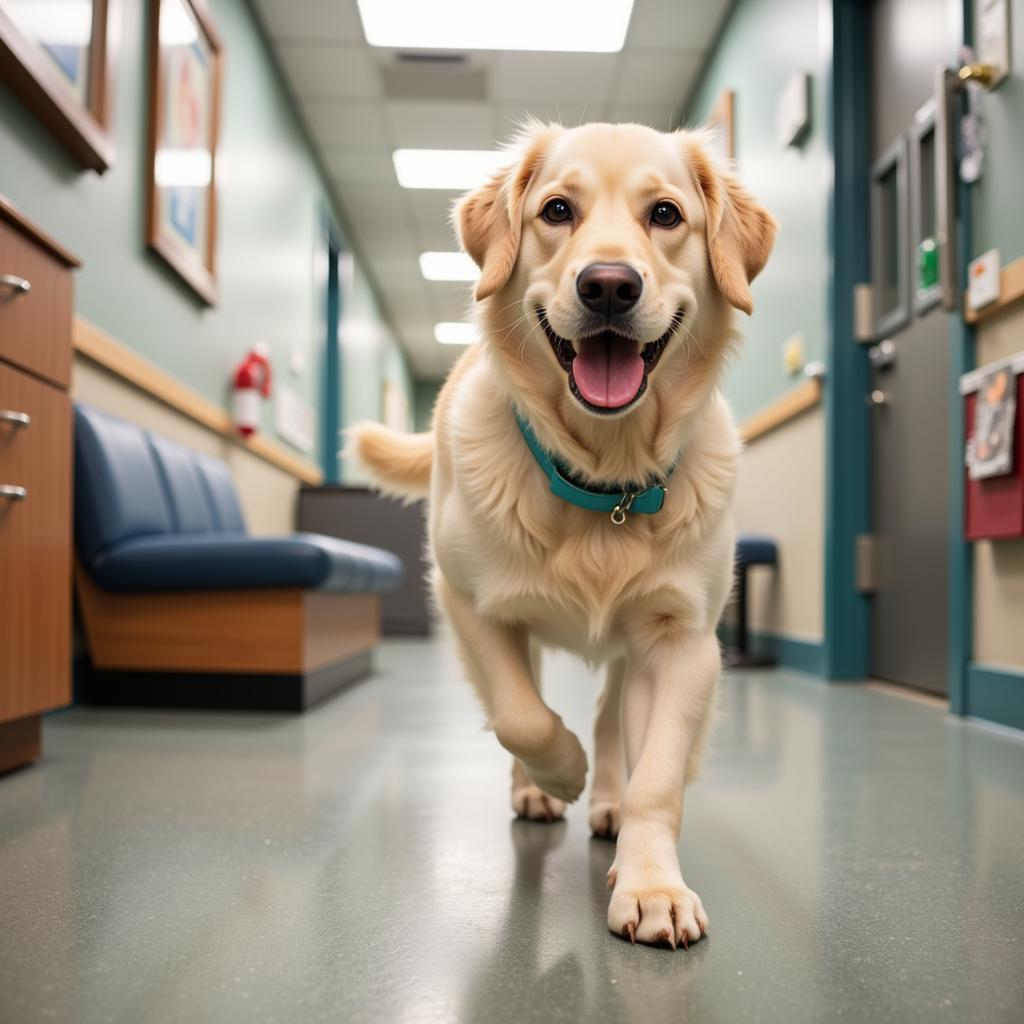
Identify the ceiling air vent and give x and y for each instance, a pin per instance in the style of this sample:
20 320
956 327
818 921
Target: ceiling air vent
424 57
433 76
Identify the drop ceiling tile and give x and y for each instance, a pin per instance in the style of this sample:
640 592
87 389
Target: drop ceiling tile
431 210
568 112
326 20
673 25
385 241
661 117
451 300
661 78
338 124
369 204
319 70
454 125
370 166
581 77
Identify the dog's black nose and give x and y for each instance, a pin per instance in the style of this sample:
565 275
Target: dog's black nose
609 288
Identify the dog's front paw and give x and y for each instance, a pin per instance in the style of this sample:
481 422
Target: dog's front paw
532 803
561 770
670 915
604 817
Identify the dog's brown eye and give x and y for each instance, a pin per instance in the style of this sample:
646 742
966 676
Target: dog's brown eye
556 211
666 215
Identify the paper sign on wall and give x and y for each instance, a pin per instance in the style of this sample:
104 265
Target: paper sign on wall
296 421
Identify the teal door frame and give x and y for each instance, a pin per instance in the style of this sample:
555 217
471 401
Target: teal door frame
330 421
847 423
847 417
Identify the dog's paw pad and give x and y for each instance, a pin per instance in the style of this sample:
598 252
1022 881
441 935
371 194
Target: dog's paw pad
673 917
532 803
604 818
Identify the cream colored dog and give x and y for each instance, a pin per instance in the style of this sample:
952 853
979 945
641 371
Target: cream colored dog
611 259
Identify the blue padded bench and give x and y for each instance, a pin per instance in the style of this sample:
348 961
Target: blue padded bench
182 606
751 550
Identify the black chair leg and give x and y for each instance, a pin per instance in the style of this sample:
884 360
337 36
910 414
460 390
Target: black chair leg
740 656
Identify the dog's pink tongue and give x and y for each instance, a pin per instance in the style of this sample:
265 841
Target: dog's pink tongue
608 371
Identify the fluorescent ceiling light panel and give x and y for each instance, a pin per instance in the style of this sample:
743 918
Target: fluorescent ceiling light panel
453 169
455 332
448 266
563 26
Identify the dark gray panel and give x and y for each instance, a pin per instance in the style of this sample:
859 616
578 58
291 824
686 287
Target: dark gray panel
910 499
357 514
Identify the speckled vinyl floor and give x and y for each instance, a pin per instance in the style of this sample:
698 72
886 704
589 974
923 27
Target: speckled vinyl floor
861 857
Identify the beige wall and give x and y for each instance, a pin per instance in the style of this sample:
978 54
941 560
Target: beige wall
268 494
999 565
781 492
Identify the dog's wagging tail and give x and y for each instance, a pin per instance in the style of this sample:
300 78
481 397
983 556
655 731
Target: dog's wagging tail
399 464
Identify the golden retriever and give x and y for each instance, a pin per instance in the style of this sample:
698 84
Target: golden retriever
611 258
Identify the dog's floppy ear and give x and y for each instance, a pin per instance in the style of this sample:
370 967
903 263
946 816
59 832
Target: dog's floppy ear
740 231
489 221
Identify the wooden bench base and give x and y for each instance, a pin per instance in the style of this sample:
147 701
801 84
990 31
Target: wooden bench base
282 648
218 690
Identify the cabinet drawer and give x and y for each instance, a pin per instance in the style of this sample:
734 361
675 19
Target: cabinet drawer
35 325
35 547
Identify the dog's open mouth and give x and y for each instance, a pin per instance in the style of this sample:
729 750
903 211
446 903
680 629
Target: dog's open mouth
609 372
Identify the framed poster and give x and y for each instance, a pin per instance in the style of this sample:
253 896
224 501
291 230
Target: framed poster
186 68
58 57
720 121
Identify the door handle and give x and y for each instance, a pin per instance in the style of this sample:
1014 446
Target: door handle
18 419
18 285
877 398
882 355
983 74
12 492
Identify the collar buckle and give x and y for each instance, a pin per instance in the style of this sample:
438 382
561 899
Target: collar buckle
621 510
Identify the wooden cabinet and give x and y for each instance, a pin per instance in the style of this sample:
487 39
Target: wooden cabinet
35 483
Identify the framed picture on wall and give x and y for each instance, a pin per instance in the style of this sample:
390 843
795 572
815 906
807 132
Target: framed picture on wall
720 121
58 56
186 70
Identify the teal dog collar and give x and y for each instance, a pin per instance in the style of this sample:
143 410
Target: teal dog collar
617 501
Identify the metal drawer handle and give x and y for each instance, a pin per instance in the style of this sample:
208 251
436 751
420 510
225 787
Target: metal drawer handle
12 492
19 419
15 283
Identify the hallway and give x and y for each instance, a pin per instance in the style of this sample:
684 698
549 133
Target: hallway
858 853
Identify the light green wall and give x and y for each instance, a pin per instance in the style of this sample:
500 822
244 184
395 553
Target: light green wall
370 355
271 258
763 43
998 206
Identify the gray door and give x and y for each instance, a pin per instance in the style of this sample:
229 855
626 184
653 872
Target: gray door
911 361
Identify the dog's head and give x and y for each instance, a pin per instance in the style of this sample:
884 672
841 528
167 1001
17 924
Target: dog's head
608 254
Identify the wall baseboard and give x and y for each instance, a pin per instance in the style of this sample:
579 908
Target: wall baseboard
788 652
996 694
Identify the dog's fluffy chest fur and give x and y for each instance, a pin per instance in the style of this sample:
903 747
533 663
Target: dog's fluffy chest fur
570 575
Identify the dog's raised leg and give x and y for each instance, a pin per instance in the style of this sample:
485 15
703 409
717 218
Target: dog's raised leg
497 658
609 765
528 799
668 696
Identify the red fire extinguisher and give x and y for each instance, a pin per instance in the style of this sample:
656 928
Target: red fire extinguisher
251 386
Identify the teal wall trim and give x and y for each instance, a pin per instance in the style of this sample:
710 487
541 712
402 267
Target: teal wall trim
996 694
961 561
802 655
847 426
